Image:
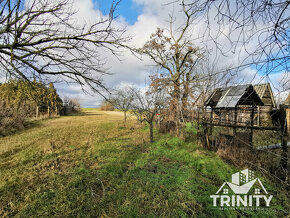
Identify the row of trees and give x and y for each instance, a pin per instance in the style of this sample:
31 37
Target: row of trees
20 99
32 97
146 104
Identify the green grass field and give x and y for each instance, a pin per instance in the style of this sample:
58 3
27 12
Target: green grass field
92 165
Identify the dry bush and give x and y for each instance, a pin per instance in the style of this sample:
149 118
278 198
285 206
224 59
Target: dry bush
244 157
239 156
70 105
238 151
76 106
11 119
106 106
167 126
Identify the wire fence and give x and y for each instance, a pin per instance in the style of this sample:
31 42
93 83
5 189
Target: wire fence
248 137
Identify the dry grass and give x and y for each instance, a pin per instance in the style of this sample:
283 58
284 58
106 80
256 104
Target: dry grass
75 130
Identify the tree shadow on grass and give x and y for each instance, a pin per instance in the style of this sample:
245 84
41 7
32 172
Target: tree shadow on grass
29 124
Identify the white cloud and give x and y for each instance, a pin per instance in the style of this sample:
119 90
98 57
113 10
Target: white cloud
131 70
2 79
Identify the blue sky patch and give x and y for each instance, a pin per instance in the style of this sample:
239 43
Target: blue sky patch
127 9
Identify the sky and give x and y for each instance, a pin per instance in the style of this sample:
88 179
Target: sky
140 22
128 9
141 18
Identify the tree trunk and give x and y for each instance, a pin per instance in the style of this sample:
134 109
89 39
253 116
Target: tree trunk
125 116
185 95
174 106
151 131
284 140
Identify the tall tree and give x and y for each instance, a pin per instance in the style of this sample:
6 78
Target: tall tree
173 51
54 101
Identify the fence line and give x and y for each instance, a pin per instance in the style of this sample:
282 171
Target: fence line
206 119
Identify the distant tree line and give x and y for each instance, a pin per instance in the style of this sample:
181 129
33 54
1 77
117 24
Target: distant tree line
21 99
28 96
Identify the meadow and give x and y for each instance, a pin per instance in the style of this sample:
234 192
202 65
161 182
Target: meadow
92 164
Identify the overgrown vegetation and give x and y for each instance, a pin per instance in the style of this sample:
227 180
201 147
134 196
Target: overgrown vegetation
10 119
94 165
21 99
27 96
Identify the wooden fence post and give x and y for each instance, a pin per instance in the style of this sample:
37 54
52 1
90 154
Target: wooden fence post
235 121
37 111
252 124
205 131
198 118
288 119
211 121
258 118
284 139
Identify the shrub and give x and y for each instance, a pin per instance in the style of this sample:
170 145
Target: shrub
106 106
70 105
167 126
11 119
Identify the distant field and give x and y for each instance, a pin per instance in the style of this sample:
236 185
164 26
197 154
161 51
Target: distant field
92 165
90 109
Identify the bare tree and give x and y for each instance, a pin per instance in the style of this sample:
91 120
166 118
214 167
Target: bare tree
148 104
122 99
42 38
173 51
256 30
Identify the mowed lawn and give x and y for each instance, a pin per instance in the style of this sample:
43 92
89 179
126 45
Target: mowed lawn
92 165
